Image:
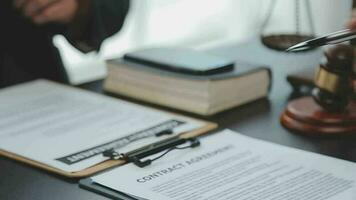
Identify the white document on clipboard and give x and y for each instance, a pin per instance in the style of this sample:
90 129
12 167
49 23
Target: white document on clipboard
69 128
229 165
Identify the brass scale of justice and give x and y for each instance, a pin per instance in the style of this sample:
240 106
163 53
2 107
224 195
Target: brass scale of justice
331 109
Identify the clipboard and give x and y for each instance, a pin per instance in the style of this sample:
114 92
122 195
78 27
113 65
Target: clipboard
109 163
209 126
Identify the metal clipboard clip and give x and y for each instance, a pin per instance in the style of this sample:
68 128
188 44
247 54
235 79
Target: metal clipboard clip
164 147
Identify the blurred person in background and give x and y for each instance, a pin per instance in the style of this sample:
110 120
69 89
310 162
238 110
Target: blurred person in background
28 26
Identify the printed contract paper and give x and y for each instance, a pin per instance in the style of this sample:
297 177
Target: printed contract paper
69 128
230 166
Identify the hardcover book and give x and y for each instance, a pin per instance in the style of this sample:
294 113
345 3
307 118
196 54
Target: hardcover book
199 94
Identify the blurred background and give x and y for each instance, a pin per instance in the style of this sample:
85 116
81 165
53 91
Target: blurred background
198 24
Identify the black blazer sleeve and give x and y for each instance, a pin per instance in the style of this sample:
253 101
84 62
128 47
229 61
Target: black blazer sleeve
106 18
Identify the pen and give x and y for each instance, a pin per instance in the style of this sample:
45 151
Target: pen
332 38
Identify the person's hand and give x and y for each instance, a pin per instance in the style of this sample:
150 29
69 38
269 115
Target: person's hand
352 23
47 11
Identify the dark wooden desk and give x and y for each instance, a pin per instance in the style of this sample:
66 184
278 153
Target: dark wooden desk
259 119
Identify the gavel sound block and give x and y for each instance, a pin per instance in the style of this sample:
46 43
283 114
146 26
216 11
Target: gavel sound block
331 110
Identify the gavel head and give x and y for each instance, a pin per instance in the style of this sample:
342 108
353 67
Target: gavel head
333 81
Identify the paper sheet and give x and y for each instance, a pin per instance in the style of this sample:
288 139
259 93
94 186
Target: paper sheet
228 166
69 128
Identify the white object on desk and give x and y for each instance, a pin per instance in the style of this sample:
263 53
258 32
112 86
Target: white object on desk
69 128
228 165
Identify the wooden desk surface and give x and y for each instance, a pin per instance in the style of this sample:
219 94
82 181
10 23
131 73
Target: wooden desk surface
259 119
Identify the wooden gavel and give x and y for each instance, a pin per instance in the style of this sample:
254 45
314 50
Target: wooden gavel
331 110
334 81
